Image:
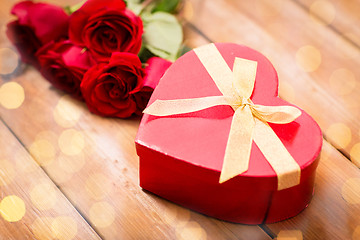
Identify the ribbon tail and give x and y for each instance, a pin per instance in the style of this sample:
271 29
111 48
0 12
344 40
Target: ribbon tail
287 169
276 114
181 106
238 148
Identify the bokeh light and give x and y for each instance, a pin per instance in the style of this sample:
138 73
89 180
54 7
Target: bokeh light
287 91
191 230
102 214
43 152
12 95
324 10
169 213
64 228
98 186
41 228
308 58
339 134
351 191
9 61
71 142
67 111
188 10
290 235
182 217
12 208
355 154
47 135
342 81
43 196
356 233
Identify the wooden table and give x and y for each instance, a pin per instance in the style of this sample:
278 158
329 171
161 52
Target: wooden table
68 174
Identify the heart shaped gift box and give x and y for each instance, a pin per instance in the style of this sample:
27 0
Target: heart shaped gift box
182 155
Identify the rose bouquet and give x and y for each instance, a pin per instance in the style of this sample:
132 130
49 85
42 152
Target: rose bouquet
109 53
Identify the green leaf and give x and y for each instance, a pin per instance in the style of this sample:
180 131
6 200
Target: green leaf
67 10
166 5
145 55
184 49
70 9
133 1
163 34
134 5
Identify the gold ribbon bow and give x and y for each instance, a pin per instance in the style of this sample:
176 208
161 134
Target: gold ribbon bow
249 120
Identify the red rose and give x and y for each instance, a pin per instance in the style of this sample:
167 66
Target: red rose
155 69
37 24
109 88
105 27
64 65
25 42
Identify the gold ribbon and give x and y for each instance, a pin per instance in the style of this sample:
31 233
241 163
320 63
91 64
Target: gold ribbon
249 120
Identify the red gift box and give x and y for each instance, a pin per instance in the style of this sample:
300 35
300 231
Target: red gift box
181 155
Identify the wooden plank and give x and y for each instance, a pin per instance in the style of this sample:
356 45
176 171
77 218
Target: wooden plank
334 210
324 82
30 199
341 16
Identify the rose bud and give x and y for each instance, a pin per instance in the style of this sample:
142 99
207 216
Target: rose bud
105 27
64 65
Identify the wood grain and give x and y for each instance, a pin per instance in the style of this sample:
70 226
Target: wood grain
341 16
329 215
47 211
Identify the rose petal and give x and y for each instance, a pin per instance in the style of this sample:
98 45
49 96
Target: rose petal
106 28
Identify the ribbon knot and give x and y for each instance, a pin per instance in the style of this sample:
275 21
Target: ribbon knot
241 102
249 121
